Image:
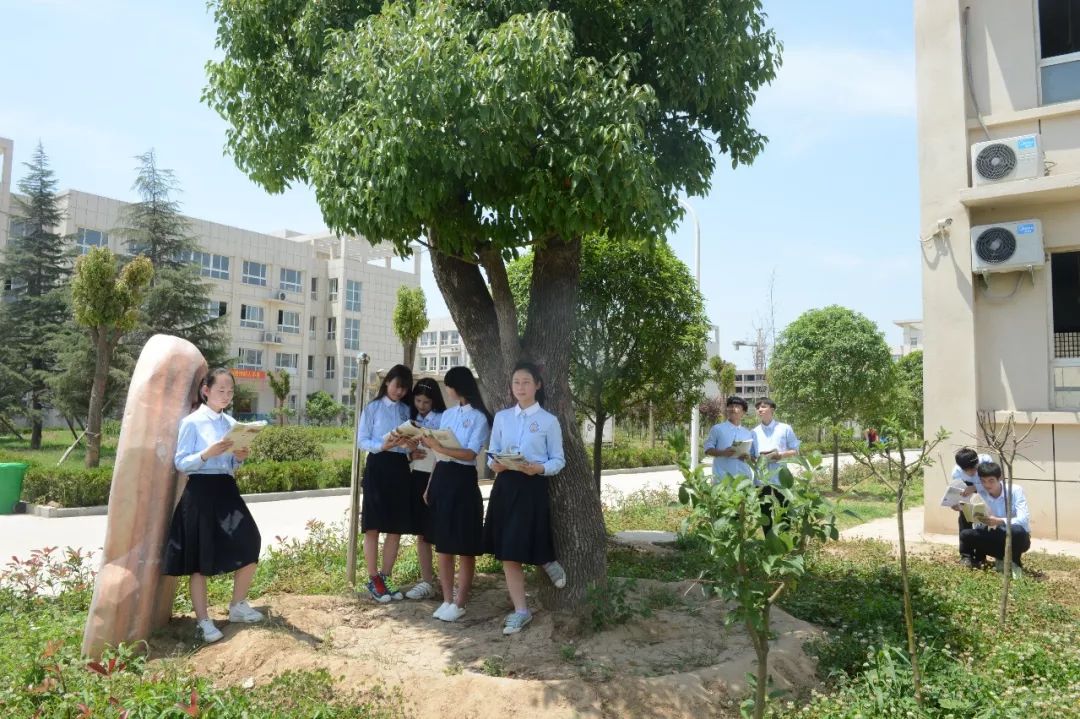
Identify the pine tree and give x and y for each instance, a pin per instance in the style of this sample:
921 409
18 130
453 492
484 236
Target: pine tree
36 266
178 299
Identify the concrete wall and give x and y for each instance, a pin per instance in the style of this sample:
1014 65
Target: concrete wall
989 346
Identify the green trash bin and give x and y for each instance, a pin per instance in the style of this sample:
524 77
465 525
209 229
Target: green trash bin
11 479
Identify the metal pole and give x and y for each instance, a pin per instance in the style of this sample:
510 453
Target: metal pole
354 482
695 415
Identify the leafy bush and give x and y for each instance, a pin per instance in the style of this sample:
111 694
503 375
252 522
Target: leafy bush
290 476
285 444
67 486
630 457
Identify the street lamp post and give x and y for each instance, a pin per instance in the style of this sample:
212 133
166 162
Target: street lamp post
695 415
354 482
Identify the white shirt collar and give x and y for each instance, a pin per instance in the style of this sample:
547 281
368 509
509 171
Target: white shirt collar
770 425
209 412
528 411
387 401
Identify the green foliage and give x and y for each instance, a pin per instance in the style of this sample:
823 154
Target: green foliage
907 395
410 319
105 297
627 457
67 486
831 365
723 373
322 409
751 566
640 329
36 262
285 444
280 385
176 302
288 476
612 604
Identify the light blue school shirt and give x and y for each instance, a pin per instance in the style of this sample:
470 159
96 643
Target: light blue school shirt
1021 517
378 418
775 435
722 436
470 428
429 420
199 430
532 432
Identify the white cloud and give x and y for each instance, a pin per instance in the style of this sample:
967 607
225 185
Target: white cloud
853 82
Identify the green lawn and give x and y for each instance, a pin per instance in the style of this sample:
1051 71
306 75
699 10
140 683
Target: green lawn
54 442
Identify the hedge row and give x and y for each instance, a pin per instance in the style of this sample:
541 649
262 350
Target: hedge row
79 487
630 457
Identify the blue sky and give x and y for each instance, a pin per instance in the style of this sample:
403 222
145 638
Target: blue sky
830 206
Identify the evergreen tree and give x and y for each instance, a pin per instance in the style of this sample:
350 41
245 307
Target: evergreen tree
36 265
178 300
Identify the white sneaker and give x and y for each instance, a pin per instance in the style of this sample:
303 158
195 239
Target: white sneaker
242 613
437 614
210 633
452 613
422 590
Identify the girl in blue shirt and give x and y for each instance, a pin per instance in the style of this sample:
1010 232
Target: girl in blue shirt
427 410
387 484
457 509
518 526
212 531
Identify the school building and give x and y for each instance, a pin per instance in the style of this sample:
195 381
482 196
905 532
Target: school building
308 304
998 89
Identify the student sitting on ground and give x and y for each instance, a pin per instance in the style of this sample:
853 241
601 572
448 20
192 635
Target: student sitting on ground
967 462
989 538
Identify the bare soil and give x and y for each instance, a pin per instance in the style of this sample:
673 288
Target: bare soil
679 661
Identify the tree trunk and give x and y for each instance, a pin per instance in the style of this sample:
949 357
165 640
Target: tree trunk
491 339
909 618
410 354
652 427
36 423
1007 563
104 347
835 461
598 447
11 428
761 650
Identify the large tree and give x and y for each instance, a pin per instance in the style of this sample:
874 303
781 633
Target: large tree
831 366
177 302
640 329
908 392
410 319
106 300
36 267
487 126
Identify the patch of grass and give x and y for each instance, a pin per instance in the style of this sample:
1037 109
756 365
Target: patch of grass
54 442
494 666
648 509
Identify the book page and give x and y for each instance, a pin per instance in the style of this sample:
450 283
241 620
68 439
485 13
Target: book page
742 448
511 460
243 434
954 493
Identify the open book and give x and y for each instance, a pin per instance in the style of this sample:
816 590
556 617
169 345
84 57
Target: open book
975 510
242 434
445 437
954 493
742 448
514 461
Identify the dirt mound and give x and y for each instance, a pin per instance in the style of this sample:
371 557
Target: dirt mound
678 661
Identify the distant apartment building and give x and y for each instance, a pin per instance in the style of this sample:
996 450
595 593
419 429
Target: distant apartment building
912 338
440 348
750 384
307 304
998 90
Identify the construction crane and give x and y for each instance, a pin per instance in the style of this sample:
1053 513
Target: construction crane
760 346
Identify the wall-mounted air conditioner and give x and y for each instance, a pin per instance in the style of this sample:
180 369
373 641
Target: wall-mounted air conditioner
1011 158
1007 247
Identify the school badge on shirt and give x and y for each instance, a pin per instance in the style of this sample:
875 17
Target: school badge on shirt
534 427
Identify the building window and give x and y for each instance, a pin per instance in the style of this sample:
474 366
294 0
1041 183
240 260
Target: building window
348 400
210 265
291 280
332 289
85 239
288 321
314 288
444 363
1059 44
249 359
292 401
1065 288
311 366
423 364
216 308
331 367
331 328
428 339
254 273
349 368
455 360
313 323
286 360
352 295
449 337
351 334
252 316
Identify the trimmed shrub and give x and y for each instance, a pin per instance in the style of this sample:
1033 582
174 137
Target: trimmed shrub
630 457
291 476
67 486
285 444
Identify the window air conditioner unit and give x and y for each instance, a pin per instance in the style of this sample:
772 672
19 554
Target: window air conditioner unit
1007 247
280 295
267 336
278 340
1012 158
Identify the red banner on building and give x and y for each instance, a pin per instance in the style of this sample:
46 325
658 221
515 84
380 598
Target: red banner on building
249 374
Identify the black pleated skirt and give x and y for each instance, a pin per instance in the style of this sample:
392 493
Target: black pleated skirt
212 530
421 514
388 491
457 510
518 526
